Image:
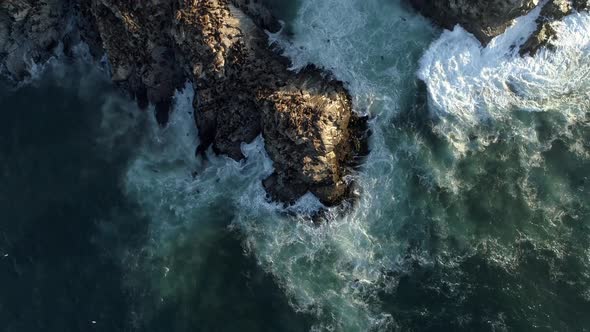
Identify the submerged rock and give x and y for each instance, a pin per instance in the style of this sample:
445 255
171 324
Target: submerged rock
243 88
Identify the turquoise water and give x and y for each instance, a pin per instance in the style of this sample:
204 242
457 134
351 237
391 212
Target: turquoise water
474 210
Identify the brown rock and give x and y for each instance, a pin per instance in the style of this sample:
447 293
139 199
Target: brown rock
30 30
310 136
486 19
245 89
553 11
136 38
242 88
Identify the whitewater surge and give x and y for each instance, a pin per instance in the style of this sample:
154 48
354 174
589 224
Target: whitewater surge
330 271
339 270
166 170
335 270
473 89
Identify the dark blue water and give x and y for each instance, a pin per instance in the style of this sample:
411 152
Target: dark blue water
65 224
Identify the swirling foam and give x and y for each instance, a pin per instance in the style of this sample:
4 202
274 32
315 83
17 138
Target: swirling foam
471 87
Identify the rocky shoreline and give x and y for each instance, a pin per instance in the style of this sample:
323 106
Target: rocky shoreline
243 88
488 19
484 19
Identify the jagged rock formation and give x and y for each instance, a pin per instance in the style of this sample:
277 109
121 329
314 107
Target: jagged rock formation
485 19
136 38
242 87
304 119
553 11
30 30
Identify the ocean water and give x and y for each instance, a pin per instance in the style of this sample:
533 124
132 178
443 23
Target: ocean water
474 212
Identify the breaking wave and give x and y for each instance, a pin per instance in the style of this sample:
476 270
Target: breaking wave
475 91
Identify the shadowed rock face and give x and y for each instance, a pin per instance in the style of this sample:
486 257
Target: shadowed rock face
242 88
257 12
142 55
30 30
230 68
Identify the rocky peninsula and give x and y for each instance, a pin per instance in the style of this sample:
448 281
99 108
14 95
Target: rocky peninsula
243 87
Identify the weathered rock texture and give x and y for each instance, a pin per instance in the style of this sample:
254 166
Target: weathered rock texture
304 119
553 11
136 37
485 19
29 32
242 87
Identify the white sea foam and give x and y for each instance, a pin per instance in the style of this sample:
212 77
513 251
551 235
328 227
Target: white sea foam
470 85
332 270
178 190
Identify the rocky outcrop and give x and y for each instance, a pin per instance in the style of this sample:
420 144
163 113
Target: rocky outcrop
485 19
136 37
490 18
312 137
29 33
553 11
242 87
